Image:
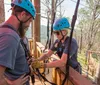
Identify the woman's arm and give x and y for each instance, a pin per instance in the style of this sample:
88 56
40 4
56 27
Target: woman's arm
45 55
57 63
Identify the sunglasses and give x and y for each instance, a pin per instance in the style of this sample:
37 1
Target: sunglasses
56 32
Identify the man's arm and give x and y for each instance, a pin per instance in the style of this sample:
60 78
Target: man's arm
2 78
4 81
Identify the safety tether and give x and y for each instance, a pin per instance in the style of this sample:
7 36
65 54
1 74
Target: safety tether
70 39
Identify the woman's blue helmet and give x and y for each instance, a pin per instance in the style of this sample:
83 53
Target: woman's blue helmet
25 4
61 24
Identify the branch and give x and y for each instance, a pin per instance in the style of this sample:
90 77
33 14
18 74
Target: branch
59 3
46 5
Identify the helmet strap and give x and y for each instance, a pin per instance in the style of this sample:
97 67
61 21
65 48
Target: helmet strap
20 30
27 20
62 35
20 20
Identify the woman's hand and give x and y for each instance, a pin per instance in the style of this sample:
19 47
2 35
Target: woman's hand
20 81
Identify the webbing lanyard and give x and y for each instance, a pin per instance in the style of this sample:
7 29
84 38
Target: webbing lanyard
70 39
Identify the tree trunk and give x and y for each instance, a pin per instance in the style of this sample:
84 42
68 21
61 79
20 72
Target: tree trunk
2 13
81 40
98 78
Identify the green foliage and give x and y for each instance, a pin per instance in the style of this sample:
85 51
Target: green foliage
82 59
83 13
89 25
95 56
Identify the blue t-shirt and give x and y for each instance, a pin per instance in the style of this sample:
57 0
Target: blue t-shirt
63 48
12 54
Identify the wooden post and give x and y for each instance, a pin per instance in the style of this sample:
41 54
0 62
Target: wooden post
36 26
2 13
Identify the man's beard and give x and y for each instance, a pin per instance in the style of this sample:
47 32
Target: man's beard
22 31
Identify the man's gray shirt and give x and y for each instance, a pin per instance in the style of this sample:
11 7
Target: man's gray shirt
12 54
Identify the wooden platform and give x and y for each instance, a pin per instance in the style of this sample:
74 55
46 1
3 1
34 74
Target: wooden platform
74 76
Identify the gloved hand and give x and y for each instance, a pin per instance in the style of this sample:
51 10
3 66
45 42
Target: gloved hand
37 64
32 59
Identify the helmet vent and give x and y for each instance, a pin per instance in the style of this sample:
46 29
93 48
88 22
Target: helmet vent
25 4
61 24
28 4
58 25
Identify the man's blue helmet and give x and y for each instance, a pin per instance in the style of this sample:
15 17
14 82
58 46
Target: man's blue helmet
61 24
25 4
